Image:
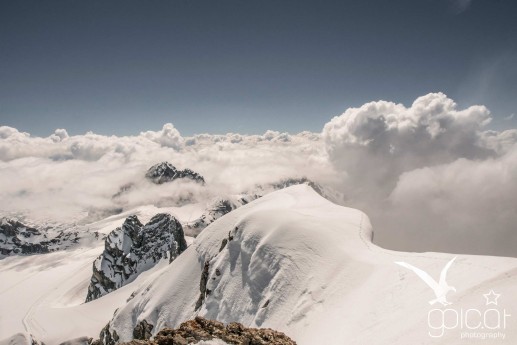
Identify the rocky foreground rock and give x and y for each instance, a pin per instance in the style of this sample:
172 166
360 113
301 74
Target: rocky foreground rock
134 248
200 329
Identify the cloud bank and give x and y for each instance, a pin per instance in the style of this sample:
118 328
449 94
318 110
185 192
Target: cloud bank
383 139
64 176
430 176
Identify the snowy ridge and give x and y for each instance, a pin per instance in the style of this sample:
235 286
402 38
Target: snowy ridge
223 205
295 262
290 260
215 210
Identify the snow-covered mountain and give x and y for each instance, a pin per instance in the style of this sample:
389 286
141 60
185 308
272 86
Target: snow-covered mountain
158 174
295 262
215 210
223 205
290 260
217 207
19 239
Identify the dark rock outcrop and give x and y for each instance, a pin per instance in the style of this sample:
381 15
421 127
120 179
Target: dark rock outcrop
202 285
166 172
143 331
106 337
134 248
194 331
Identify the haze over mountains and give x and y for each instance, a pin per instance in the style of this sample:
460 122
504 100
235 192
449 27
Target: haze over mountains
432 164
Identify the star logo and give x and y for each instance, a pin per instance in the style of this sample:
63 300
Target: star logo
491 297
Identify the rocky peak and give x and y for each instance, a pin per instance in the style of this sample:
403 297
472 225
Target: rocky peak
166 172
134 248
132 226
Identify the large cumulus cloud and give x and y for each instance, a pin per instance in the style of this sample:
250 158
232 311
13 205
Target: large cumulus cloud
430 175
168 136
380 140
466 206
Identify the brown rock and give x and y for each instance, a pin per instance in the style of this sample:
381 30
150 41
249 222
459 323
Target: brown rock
193 331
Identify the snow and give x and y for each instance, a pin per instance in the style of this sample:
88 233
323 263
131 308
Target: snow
293 261
44 294
302 265
17 339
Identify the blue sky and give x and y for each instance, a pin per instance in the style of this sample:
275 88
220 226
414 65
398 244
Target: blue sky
120 67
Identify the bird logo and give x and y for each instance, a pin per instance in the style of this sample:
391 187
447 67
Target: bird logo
440 288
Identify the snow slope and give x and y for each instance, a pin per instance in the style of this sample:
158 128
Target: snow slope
43 295
291 260
297 263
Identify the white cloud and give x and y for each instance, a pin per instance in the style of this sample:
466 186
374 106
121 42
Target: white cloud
379 140
63 176
168 137
59 134
430 176
469 205
417 172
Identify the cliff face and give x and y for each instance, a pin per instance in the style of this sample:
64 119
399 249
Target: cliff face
134 248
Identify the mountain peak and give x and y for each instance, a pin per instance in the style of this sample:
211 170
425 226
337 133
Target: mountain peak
133 248
166 172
